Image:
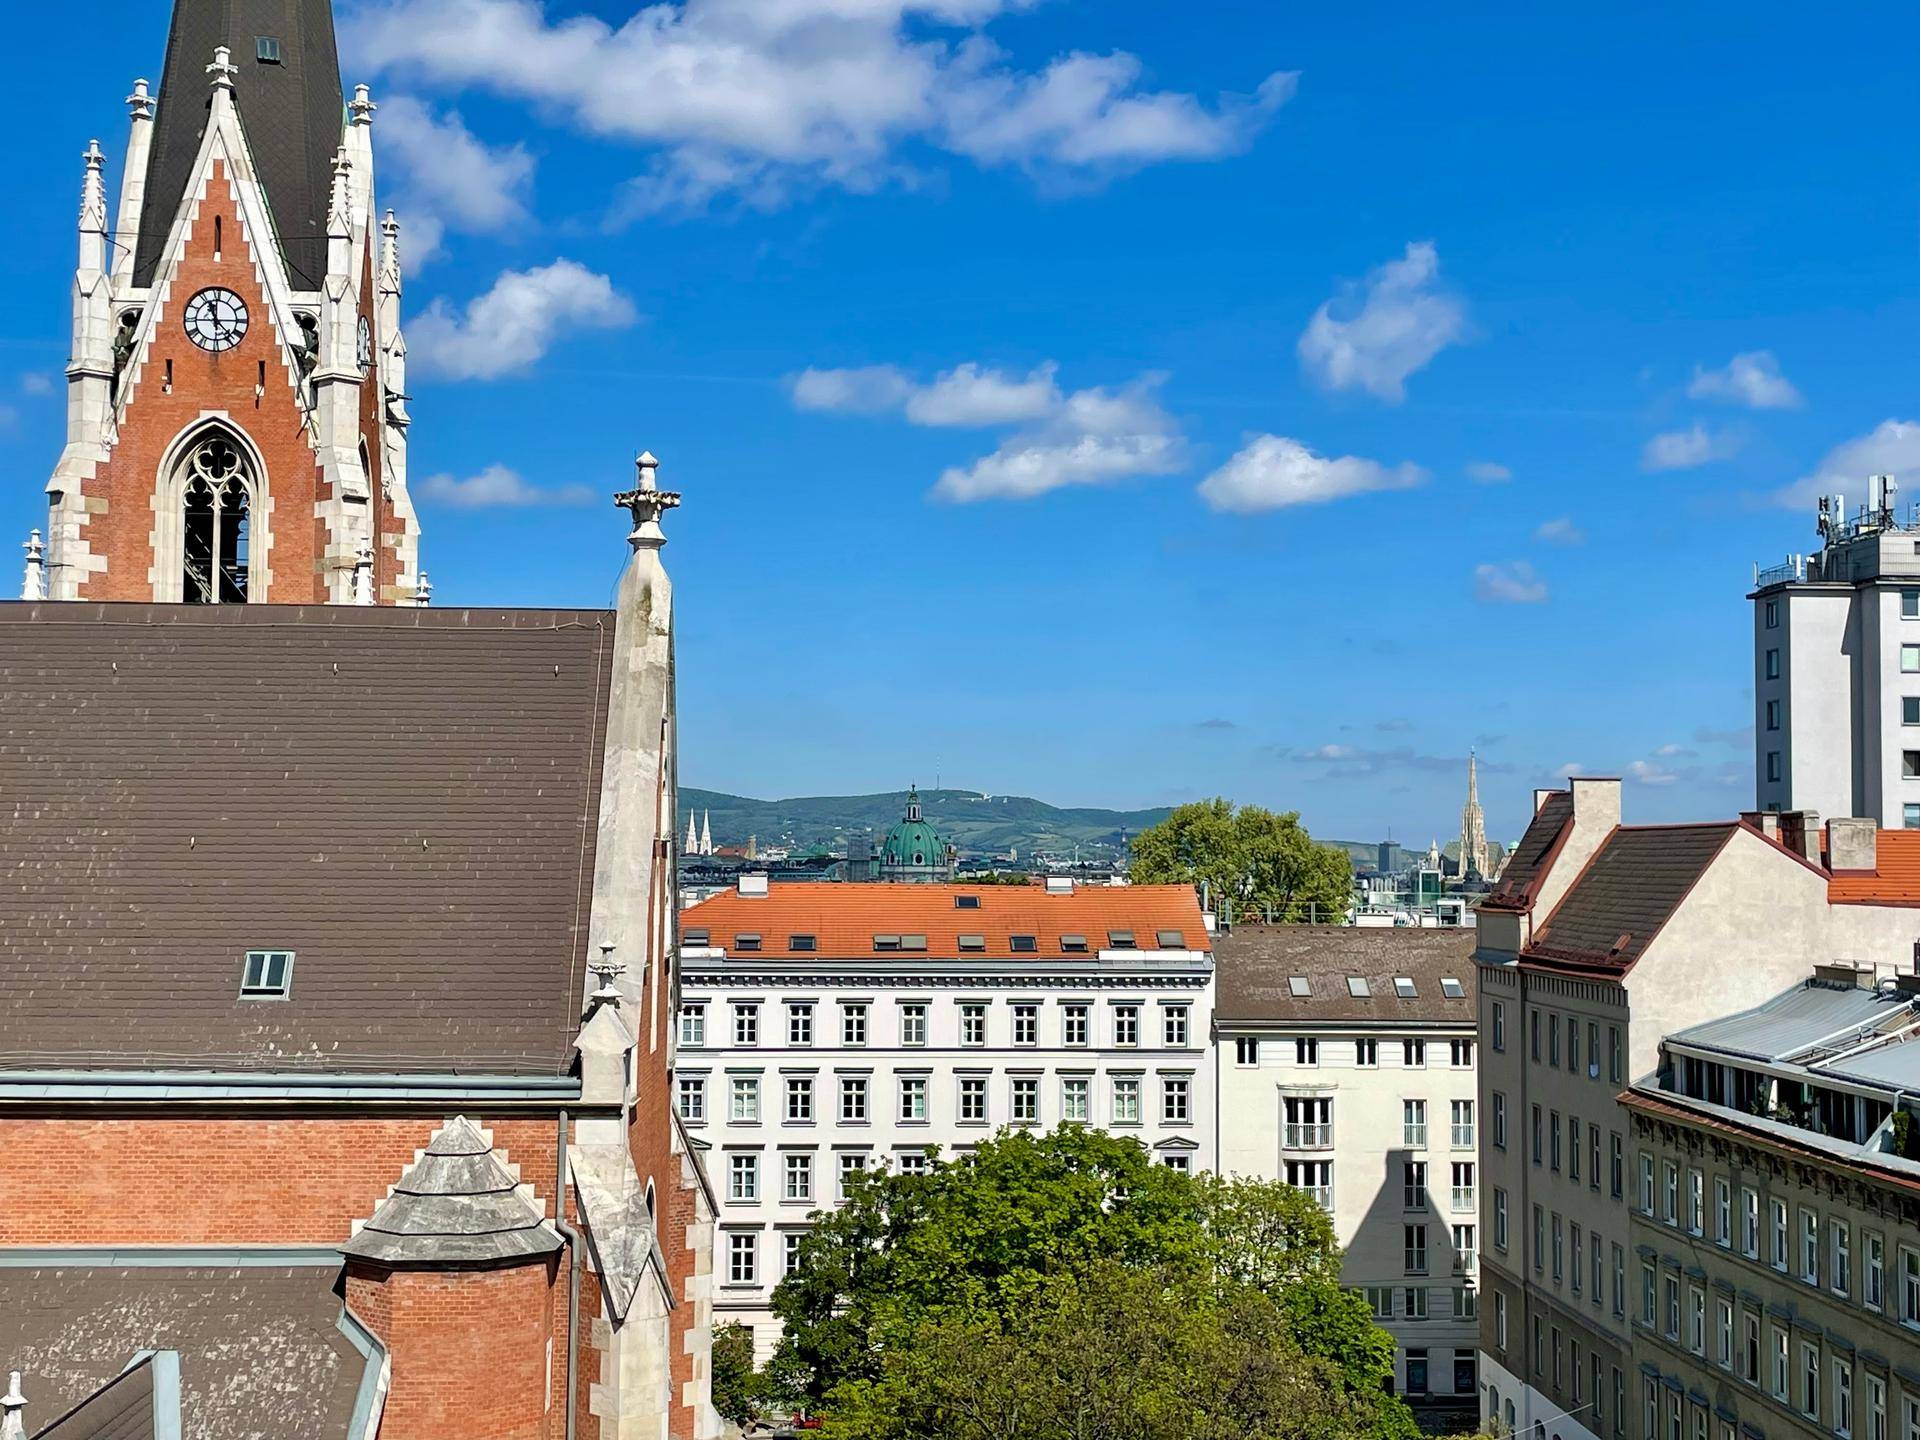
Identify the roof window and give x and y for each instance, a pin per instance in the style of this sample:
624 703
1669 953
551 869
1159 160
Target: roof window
1023 944
913 942
886 942
966 902
266 49
694 937
1452 988
746 942
803 944
973 942
1171 940
1073 944
267 975
1403 987
1358 988
1120 940
1297 986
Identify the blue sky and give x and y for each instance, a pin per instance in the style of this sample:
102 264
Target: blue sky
1123 403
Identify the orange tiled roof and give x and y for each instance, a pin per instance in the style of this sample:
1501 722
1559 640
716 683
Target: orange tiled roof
843 919
1895 880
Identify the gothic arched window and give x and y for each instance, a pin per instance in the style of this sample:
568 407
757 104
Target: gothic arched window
218 497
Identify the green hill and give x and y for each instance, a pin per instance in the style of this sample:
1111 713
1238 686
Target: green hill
978 824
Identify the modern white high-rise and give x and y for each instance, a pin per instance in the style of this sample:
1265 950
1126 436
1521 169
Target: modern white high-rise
1836 668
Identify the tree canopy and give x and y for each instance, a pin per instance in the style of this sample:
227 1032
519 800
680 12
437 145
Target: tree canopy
1256 860
1064 1284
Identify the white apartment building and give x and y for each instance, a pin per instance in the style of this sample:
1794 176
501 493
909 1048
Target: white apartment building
1836 668
828 1028
1345 1065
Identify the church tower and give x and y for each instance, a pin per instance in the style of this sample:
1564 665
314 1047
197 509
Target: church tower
1473 827
236 392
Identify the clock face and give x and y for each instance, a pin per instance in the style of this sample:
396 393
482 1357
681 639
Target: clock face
366 346
216 320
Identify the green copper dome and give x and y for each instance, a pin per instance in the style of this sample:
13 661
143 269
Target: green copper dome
913 843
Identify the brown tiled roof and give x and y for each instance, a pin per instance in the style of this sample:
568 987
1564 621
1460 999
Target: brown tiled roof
1521 876
843 919
253 1342
1254 966
407 799
1626 893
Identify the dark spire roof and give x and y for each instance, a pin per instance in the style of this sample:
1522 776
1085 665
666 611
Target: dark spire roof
293 110
456 1203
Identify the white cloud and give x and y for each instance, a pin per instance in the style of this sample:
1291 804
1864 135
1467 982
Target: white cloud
1688 449
1891 448
1486 472
759 98
33 382
1094 437
1088 437
514 324
867 390
1560 532
1751 378
497 486
1271 472
1386 329
1648 773
969 396
1570 769
1513 583
449 179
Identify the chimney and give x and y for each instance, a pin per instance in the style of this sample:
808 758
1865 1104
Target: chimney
751 885
1596 801
1540 798
1853 843
1059 885
1767 822
1800 833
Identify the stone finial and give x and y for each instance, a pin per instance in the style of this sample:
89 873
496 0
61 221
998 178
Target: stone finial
390 253
34 587
423 592
361 107
340 202
93 189
608 971
140 103
223 69
648 502
363 576
13 1425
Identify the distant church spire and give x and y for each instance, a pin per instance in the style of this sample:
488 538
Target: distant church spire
1473 826
706 833
692 846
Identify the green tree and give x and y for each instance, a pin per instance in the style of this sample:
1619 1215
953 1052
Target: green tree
1257 860
738 1390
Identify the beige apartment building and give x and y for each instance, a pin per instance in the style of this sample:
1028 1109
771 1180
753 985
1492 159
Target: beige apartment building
1344 1064
1775 1195
1601 939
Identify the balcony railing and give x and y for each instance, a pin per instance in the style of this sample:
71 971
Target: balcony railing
1301 1136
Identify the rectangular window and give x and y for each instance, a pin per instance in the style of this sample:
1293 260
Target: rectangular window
743 1258
1380 1301
973 1099
1366 1054
1499 1120
800 1099
799 1024
913 1024
1773 765
1533 1041
1910 659
1559 1250
1126 1025
1773 663
1415 1238
1413 1185
1499 1026
1696 1202
1539 1136
1173 1025
1722 1211
1306 1052
1074 1027
693 1024
913 1098
1466 1249
1909 1286
1416 1302
1616 1165
853 1099
693 1098
1873 1272
1779 1213
1773 714
746 1024
1810 1381
1500 1320
915 1162
1773 614
1840 1257
743 1104
853 1024
1026 1024
1500 1220
798 1178
1073 1098
850 1166
1573 1148
973 1023
1749 1222
1309 1122
1464 1197
1176 1092
1024 1098
1553 1142
1910 816
1413 1124
1553 1041
1842 1397
1539 1240
1246 1051
1910 764
1313 1176
1616 1060
1646 1183
267 975
1910 709
790 1251
1126 1100
1670 1193
1777 1340
1696 1320
1461 1127
1876 1407
1619 1282
743 1177
1670 1311
1413 1054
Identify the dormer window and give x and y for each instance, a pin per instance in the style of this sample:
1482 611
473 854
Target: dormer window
267 975
266 49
